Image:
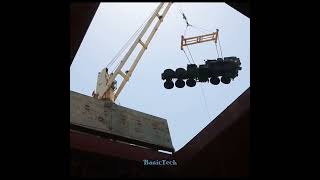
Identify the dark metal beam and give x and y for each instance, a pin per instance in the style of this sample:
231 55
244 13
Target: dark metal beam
242 6
94 144
224 120
225 141
81 15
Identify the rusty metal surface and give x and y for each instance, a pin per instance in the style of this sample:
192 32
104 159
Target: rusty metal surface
226 119
227 155
111 118
81 15
221 149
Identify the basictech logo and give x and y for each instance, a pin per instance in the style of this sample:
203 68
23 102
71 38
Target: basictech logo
159 163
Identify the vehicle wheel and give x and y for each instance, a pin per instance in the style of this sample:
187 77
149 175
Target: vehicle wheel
168 84
180 83
191 82
225 80
180 72
168 73
215 80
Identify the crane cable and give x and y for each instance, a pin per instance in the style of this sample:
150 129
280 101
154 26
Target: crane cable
190 55
188 24
218 39
184 17
125 46
217 49
202 30
219 46
187 56
182 48
121 50
202 91
205 102
215 43
184 34
188 48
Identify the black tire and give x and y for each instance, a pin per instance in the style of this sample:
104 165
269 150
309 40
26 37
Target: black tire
225 80
168 73
168 84
191 82
180 83
215 80
181 73
192 71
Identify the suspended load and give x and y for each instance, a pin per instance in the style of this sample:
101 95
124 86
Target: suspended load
223 70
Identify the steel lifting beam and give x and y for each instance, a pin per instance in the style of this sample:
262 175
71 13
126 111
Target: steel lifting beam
199 39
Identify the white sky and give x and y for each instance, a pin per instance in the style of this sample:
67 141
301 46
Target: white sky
184 108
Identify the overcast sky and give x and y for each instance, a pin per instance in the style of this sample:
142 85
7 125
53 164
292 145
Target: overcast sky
185 108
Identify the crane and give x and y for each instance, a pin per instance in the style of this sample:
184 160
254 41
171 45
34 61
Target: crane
106 83
227 67
110 118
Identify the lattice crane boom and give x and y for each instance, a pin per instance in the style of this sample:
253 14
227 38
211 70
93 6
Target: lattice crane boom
105 89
